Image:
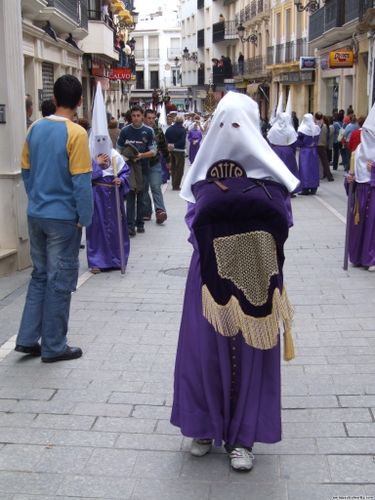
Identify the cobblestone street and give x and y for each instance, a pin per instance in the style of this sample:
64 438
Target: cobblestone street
98 427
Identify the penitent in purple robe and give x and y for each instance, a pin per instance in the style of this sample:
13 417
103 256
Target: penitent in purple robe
102 241
308 161
224 389
362 235
288 155
194 135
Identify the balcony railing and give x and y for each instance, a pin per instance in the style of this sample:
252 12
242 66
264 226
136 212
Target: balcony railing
224 31
68 7
240 18
363 6
97 15
174 52
173 81
335 14
153 53
142 84
139 53
288 53
200 38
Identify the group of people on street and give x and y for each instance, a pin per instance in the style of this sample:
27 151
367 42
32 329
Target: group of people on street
227 386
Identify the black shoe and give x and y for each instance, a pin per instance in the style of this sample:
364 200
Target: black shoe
330 180
70 353
141 230
34 350
81 246
131 232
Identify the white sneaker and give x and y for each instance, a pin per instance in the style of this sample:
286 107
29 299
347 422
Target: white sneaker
371 269
200 447
241 459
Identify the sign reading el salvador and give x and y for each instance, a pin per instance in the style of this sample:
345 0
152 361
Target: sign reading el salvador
341 59
119 74
307 63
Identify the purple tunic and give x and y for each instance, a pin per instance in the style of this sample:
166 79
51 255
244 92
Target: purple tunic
362 235
224 389
194 135
102 241
308 161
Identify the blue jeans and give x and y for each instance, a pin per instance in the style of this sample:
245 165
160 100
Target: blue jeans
137 199
154 180
54 249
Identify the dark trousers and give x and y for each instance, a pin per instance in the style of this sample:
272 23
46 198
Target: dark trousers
177 163
322 153
337 147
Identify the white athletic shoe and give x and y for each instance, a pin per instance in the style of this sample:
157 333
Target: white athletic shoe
371 269
200 447
241 459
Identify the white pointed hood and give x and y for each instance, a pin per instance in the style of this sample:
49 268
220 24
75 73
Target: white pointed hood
366 150
288 108
308 126
234 134
99 140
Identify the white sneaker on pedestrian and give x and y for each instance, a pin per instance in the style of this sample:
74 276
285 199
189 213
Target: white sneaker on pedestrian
200 447
241 459
371 269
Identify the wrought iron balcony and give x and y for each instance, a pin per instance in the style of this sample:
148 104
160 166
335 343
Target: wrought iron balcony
153 53
174 52
335 14
279 53
139 54
224 31
364 5
68 7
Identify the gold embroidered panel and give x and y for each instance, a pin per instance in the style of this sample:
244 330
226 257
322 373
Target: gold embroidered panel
248 260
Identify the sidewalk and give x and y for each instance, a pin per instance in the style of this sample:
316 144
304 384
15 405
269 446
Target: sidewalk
98 427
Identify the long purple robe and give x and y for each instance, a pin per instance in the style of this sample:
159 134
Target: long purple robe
194 135
362 235
308 161
102 240
224 389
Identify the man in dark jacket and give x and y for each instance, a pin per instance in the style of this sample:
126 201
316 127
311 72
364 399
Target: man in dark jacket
176 137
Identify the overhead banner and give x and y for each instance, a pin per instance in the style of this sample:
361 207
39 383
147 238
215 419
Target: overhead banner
307 63
341 59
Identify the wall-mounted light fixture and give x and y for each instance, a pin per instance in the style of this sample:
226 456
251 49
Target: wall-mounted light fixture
124 20
189 57
311 6
252 38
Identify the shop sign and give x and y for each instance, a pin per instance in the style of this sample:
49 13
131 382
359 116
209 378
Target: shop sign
324 61
307 63
341 59
98 68
297 77
119 74
114 85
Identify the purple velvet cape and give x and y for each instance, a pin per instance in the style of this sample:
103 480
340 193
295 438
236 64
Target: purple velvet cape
308 161
102 241
288 155
194 135
224 389
362 235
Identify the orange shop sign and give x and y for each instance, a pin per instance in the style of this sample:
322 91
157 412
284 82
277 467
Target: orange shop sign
119 74
341 59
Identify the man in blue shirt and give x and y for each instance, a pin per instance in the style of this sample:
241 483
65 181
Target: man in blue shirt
176 137
56 170
141 137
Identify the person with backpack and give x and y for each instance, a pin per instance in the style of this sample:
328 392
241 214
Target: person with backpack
339 127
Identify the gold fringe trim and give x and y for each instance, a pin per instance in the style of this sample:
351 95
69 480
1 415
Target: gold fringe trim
260 333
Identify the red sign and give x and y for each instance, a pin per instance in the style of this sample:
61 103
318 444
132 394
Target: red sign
119 74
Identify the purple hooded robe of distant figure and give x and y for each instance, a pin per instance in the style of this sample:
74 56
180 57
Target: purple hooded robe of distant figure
307 141
194 138
102 240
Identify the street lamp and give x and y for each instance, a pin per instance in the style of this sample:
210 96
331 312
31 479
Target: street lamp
189 57
252 38
311 6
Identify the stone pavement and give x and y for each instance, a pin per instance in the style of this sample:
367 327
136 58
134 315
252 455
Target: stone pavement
98 427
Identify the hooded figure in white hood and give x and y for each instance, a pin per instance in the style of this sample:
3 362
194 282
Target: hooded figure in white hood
362 221
227 375
308 139
282 137
102 238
